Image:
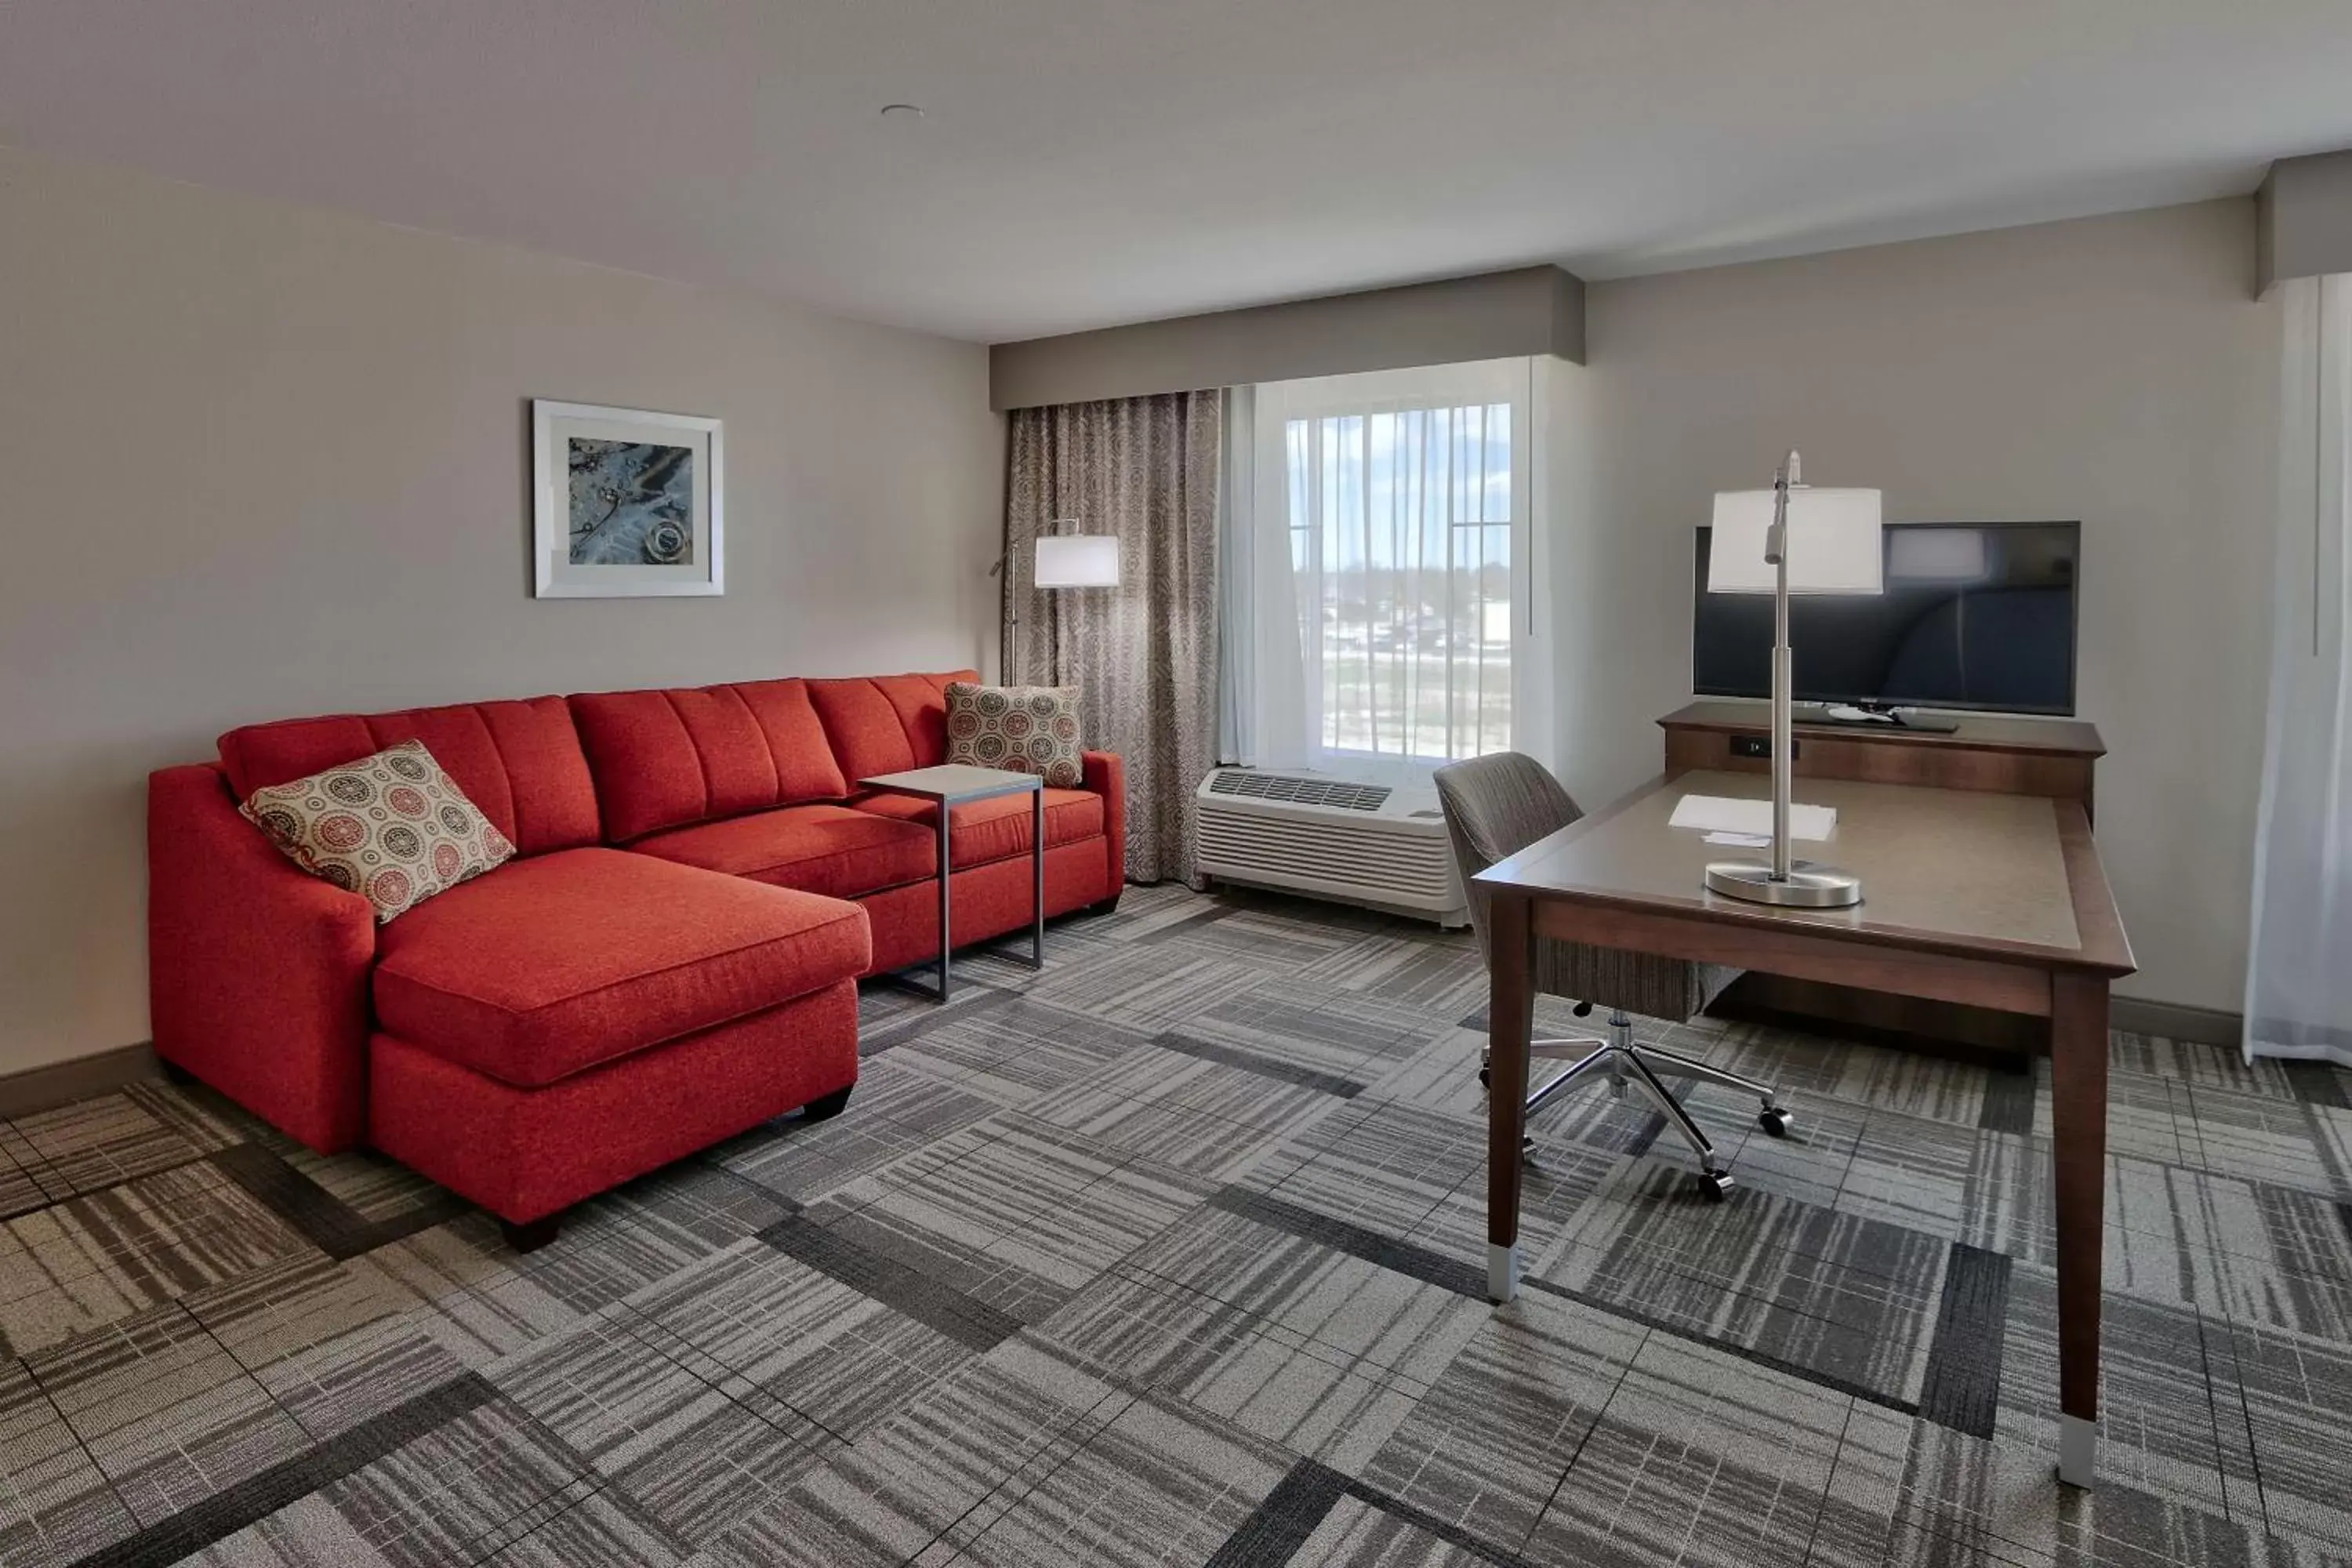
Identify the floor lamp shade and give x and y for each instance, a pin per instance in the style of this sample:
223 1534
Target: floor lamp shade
1833 543
1077 560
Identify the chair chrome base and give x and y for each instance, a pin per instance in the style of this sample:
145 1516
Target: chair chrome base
1626 1062
1810 884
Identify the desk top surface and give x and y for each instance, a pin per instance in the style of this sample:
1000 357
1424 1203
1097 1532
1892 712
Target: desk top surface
1960 871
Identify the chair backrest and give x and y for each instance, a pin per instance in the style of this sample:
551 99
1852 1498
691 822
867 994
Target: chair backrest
1495 807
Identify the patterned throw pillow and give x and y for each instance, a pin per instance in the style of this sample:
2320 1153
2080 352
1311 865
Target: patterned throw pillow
391 827
1024 729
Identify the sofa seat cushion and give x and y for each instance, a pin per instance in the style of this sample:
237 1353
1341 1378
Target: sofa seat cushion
828 849
995 829
554 964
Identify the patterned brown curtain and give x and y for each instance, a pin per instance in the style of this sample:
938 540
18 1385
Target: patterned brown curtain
1143 655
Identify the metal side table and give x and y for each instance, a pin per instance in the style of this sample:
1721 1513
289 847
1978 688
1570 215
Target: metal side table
956 783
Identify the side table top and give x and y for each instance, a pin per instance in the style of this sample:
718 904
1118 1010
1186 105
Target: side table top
955 782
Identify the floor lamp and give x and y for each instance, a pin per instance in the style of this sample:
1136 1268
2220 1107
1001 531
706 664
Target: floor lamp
1056 561
1791 539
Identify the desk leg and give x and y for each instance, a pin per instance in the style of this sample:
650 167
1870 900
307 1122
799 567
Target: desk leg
1510 1002
2078 1073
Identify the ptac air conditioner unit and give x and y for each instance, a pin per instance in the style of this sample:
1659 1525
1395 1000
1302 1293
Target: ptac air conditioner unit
1376 845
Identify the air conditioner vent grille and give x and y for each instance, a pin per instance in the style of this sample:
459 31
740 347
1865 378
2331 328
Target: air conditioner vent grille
1333 793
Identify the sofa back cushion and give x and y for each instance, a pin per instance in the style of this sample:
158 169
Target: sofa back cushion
667 759
885 723
519 762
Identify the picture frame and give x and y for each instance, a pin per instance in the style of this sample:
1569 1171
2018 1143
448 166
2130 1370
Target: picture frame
625 503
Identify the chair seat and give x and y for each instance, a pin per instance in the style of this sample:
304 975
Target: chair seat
982 831
550 965
828 849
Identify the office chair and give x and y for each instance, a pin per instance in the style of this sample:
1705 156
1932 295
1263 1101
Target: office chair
1495 807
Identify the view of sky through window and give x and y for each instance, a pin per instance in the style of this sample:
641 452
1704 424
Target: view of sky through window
1401 538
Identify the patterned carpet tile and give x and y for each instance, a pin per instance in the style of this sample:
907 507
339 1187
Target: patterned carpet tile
83 1263
1506 1421
1161 1482
1852 1300
93 1144
1726 1460
1174 1254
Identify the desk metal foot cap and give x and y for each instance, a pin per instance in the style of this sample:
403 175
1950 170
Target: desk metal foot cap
2078 1451
1502 1272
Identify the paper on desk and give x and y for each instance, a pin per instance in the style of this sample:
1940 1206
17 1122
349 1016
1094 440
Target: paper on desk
1744 840
1720 814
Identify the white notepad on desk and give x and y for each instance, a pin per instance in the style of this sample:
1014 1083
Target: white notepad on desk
1722 814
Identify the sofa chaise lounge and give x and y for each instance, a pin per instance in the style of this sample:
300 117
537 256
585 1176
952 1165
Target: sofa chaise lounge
670 958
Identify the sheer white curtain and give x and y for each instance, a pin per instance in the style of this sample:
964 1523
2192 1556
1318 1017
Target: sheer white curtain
2299 968
1376 549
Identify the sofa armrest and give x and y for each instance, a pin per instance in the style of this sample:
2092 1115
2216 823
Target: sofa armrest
1105 775
257 970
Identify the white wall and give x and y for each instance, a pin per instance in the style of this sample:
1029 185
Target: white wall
2113 370
264 461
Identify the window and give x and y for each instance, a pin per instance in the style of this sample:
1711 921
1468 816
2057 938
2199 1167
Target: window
1390 516
1400 524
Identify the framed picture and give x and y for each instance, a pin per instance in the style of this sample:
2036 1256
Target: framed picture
625 504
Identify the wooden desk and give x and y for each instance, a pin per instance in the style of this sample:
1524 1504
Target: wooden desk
1975 897
2056 758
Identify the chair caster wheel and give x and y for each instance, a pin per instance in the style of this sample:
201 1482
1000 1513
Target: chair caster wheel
1717 1185
1483 1081
1774 1120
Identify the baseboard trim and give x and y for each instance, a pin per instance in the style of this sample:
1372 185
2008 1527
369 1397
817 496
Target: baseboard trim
2176 1021
60 1083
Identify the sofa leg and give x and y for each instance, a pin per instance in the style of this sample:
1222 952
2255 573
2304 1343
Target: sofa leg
173 1073
828 1106
529 1236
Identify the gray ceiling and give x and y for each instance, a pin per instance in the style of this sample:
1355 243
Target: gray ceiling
1090 161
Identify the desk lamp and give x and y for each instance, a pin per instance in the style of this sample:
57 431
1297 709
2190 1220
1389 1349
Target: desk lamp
1791 539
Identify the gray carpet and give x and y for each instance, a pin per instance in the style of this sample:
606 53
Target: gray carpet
1173 1255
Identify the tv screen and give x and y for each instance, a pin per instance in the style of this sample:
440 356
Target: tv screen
1975 614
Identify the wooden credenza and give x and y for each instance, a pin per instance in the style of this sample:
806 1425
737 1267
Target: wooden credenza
2055 758
2051 757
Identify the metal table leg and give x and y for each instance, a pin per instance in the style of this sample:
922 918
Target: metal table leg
1037 860
946 942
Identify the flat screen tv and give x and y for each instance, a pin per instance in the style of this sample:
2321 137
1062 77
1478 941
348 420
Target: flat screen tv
1976 616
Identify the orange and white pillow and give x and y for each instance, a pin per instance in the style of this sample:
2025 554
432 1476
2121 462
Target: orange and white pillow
392 828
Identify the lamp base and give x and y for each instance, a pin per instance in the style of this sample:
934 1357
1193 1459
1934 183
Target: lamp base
1810 884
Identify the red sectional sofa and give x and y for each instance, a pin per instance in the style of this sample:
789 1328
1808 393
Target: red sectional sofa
670 958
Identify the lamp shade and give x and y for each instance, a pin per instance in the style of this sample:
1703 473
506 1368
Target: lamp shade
1077 560
1833 543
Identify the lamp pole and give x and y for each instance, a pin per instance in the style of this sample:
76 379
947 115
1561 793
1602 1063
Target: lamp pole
1775 550
1783 880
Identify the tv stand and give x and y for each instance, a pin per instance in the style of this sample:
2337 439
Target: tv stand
2052 757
